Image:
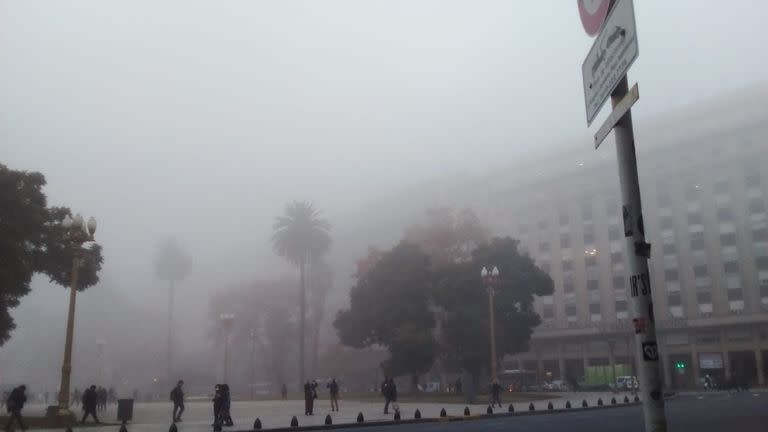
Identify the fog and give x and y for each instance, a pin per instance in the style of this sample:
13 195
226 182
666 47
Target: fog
200 120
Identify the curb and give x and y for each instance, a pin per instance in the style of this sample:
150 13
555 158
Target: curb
442 419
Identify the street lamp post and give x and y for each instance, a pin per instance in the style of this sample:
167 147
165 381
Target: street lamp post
490 278
254 335
78 232
226 323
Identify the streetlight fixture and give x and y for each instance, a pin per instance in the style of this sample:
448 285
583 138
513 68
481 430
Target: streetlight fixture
227 319
490 279
78 232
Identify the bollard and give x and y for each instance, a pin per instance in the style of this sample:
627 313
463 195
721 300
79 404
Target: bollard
122 428
173 428
599 402
417 414
257 424
489 410
613 401
568 404
328 419
443 413
626 399
549 406
397 415
466 411
294 422
637 399
584 403
531 407
511 408
360 418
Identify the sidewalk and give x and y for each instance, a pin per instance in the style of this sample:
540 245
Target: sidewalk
155 417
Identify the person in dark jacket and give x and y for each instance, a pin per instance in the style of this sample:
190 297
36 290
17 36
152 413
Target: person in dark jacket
226 403
284 392
333 389
90 403
14 405
495 394
177 396
217 402
389 391
309 399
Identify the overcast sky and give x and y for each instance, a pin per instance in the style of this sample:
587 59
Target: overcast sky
201 119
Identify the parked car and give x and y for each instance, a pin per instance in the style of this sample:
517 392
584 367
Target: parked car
556 385
627 382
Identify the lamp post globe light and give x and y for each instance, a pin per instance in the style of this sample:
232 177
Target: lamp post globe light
77 232
490 278
227 319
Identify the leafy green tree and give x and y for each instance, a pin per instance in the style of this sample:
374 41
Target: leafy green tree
389 306
172 264
460 292
301 236
33 240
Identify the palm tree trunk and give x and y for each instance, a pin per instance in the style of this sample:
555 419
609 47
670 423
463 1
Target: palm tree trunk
302 322
315 346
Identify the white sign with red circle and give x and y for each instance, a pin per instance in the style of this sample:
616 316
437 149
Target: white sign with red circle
593 13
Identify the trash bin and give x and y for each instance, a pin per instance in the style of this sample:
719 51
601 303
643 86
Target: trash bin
124 410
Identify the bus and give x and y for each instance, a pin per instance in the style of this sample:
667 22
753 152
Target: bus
517 380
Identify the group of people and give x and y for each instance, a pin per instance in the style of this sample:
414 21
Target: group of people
222 401
310 394
103 397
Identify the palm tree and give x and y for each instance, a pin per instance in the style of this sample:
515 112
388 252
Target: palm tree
301 236
172 264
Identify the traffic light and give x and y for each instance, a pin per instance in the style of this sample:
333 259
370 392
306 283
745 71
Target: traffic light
680 365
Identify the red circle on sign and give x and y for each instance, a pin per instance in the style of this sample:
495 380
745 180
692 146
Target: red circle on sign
593 13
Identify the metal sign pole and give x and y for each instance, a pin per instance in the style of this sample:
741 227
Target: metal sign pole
646 350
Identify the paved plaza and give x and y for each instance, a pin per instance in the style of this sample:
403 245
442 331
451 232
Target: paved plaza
154 417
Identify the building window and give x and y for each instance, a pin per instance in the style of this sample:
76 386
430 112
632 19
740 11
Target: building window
700 270
568 286
756 206
721 186
735 294
570 310
544 246
674 299
590 261
618 282
669 249
543 225
567 265
548 312
704 297
752 179
589 238
724 214
733 281
617 257
676 311
692 192
760 234
762 262
697 241
728 239
670 275
592 284
731 267
695 219
565 241
594 308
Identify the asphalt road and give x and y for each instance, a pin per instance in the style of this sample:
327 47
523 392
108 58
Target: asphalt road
742 412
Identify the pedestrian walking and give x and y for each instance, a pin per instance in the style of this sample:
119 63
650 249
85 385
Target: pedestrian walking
76 397
284 392
218 402
333 389
389 391
177 396
90 404
458 385
14 404
226 417
495 394
309 400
